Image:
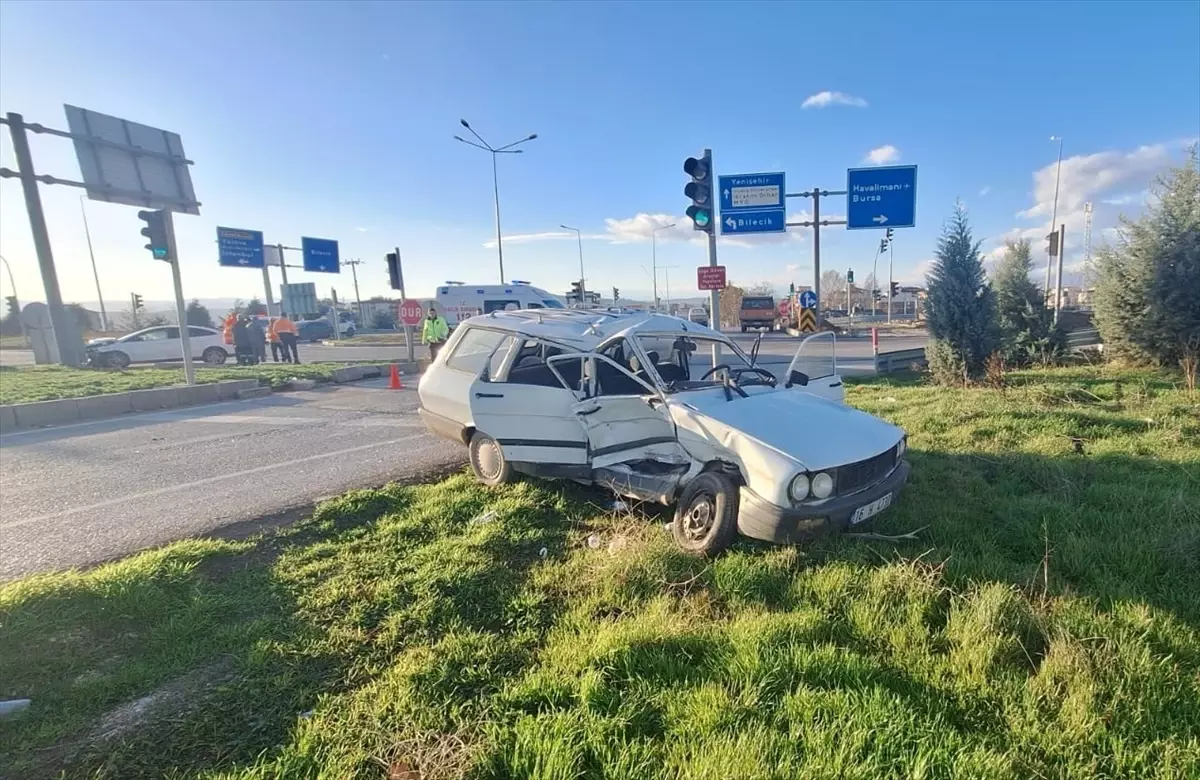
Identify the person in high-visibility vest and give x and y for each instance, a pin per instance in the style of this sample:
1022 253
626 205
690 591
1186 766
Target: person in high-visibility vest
227 327
285 329
273 338
434 332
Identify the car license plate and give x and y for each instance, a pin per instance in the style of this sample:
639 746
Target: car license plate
870 510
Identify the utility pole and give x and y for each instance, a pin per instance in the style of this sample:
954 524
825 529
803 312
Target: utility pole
582 282
354 273
1054 213
816 193
654 256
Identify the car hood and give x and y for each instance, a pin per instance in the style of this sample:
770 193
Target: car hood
818 433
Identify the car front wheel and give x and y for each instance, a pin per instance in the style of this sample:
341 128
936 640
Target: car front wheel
488 461
116 360
706 517
214 356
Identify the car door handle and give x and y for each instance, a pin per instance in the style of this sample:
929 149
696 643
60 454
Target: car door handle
489 395
836 384
586 412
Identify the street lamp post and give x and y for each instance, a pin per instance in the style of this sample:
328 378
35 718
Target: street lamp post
654 256
579 237
92 255
506 149
1053 214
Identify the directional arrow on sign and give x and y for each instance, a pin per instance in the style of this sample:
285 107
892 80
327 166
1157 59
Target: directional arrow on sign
727 193
729 221
880 219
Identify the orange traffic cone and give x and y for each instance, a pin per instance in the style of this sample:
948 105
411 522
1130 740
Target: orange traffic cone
395 383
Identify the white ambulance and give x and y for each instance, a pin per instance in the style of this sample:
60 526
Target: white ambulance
457 301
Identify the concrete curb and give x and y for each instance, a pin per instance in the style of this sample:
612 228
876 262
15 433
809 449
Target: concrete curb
41 414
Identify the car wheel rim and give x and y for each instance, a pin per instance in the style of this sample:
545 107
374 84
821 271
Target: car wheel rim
700 516
490 459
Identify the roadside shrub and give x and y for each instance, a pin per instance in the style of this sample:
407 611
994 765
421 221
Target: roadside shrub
960 305
383 320
946 366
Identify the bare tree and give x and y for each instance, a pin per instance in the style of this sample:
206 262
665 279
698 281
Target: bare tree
731 306
833 290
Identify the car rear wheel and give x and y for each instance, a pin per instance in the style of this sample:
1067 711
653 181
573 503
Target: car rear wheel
214 356
116 359
488 461
706 517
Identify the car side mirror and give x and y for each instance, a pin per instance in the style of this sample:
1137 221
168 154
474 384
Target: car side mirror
797 378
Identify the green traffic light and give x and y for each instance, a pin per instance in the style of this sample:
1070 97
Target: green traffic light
702 218
160 252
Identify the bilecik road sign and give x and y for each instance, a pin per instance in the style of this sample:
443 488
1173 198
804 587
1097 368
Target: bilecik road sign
753 203
881 197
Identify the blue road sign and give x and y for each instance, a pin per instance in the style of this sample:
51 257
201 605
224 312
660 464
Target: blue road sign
753 203
239 248
808 300
320 255
881 197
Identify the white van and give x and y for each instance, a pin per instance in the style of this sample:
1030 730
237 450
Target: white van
457 301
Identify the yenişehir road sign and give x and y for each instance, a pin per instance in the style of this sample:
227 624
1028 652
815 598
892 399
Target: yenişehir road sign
753 203
881 197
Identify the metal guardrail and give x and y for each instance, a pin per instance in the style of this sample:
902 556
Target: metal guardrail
1082 339
900 360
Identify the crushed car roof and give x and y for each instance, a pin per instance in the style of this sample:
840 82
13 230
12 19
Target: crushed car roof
587 328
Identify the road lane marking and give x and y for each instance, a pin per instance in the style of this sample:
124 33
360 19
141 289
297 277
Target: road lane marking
202 482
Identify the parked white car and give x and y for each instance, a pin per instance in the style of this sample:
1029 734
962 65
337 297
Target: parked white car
698 316
153 345
634 403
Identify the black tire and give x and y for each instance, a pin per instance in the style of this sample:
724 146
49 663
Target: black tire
117 359
214 356
488 461
743 329
706 516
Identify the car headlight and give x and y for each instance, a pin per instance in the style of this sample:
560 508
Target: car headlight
799 488
822 485
902 447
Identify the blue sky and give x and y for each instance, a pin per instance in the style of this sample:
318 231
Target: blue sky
335 120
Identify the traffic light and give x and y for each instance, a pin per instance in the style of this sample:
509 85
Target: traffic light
889 234
700 190
393 264
13 306
1053 243
616 295
895 289
850 276
156 231
876 294
136 301
576 292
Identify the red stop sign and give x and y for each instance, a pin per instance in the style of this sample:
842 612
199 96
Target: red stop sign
410 312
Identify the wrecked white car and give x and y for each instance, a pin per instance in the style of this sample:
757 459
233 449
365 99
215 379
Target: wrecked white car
657 408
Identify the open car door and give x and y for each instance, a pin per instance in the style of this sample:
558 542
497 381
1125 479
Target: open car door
534 424
814 368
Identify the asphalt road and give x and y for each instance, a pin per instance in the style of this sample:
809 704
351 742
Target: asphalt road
88 492
854 353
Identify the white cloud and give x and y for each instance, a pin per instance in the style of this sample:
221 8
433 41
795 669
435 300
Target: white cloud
362 229
529 238
1113 182
792 268
983 193
640 227
1086 177
829 98
882 155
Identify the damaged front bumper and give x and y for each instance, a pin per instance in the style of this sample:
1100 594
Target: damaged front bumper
761 519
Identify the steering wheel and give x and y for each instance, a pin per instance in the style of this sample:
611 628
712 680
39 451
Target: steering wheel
715 369
767 377
735 373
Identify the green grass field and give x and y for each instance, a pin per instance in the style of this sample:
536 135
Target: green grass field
1046 625
19 384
